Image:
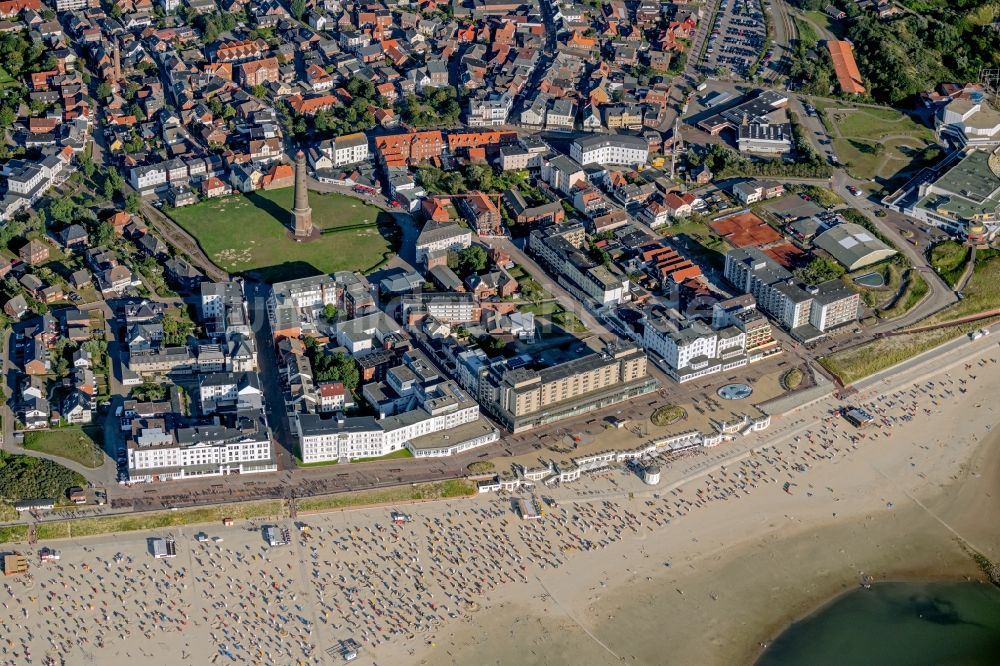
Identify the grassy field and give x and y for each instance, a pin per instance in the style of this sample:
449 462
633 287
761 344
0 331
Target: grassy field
791 379
545 304
914 290
81 445
323 463
838 28
859 362
982 293
6 80
420 491
874 142
698 240
949 259
807 33
14 534
244 233
66 529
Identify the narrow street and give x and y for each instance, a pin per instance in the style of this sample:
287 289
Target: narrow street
267 362
562 295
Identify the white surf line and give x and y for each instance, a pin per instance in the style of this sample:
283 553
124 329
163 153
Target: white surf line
577 622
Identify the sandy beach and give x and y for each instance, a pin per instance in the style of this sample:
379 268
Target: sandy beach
703 572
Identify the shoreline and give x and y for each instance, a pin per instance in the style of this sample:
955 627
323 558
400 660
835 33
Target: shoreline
944 578
904 543
988 447
761 533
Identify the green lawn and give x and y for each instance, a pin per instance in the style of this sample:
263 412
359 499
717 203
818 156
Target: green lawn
982 293
81 527
807 33
323 463
914 290
419 491
6 80
874 142
569 322
395 455
248 233
14 534
838 28
699 242
541 303
874 123
859 362
81 445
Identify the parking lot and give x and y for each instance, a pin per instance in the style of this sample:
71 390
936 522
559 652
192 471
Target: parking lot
736 39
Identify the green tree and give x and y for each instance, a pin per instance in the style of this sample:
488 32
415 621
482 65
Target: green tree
7 117
333 367
149 391
103 91
819 270
87 166
133 202
113 183
471 260
104 234
298 9
62 210
330 312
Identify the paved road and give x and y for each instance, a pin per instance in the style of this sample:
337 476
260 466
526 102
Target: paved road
940 295
271 383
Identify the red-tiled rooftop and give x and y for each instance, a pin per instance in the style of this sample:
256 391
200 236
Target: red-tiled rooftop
844 65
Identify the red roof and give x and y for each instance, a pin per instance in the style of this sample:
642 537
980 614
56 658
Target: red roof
331 390
848 76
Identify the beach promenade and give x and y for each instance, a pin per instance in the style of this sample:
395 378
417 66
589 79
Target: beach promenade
733 542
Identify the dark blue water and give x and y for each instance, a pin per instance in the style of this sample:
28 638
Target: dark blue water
897 624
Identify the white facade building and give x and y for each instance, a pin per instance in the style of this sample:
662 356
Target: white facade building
610 149
156 454
690 348
443 407
347 149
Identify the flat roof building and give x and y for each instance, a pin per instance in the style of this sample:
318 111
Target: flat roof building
965 194
522 398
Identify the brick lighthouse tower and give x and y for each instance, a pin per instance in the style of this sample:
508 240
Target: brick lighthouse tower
302 223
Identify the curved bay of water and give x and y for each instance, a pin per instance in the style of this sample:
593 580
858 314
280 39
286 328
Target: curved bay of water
896 624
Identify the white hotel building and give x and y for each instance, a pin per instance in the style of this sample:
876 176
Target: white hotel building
156 454
621 149
444 410
690 349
